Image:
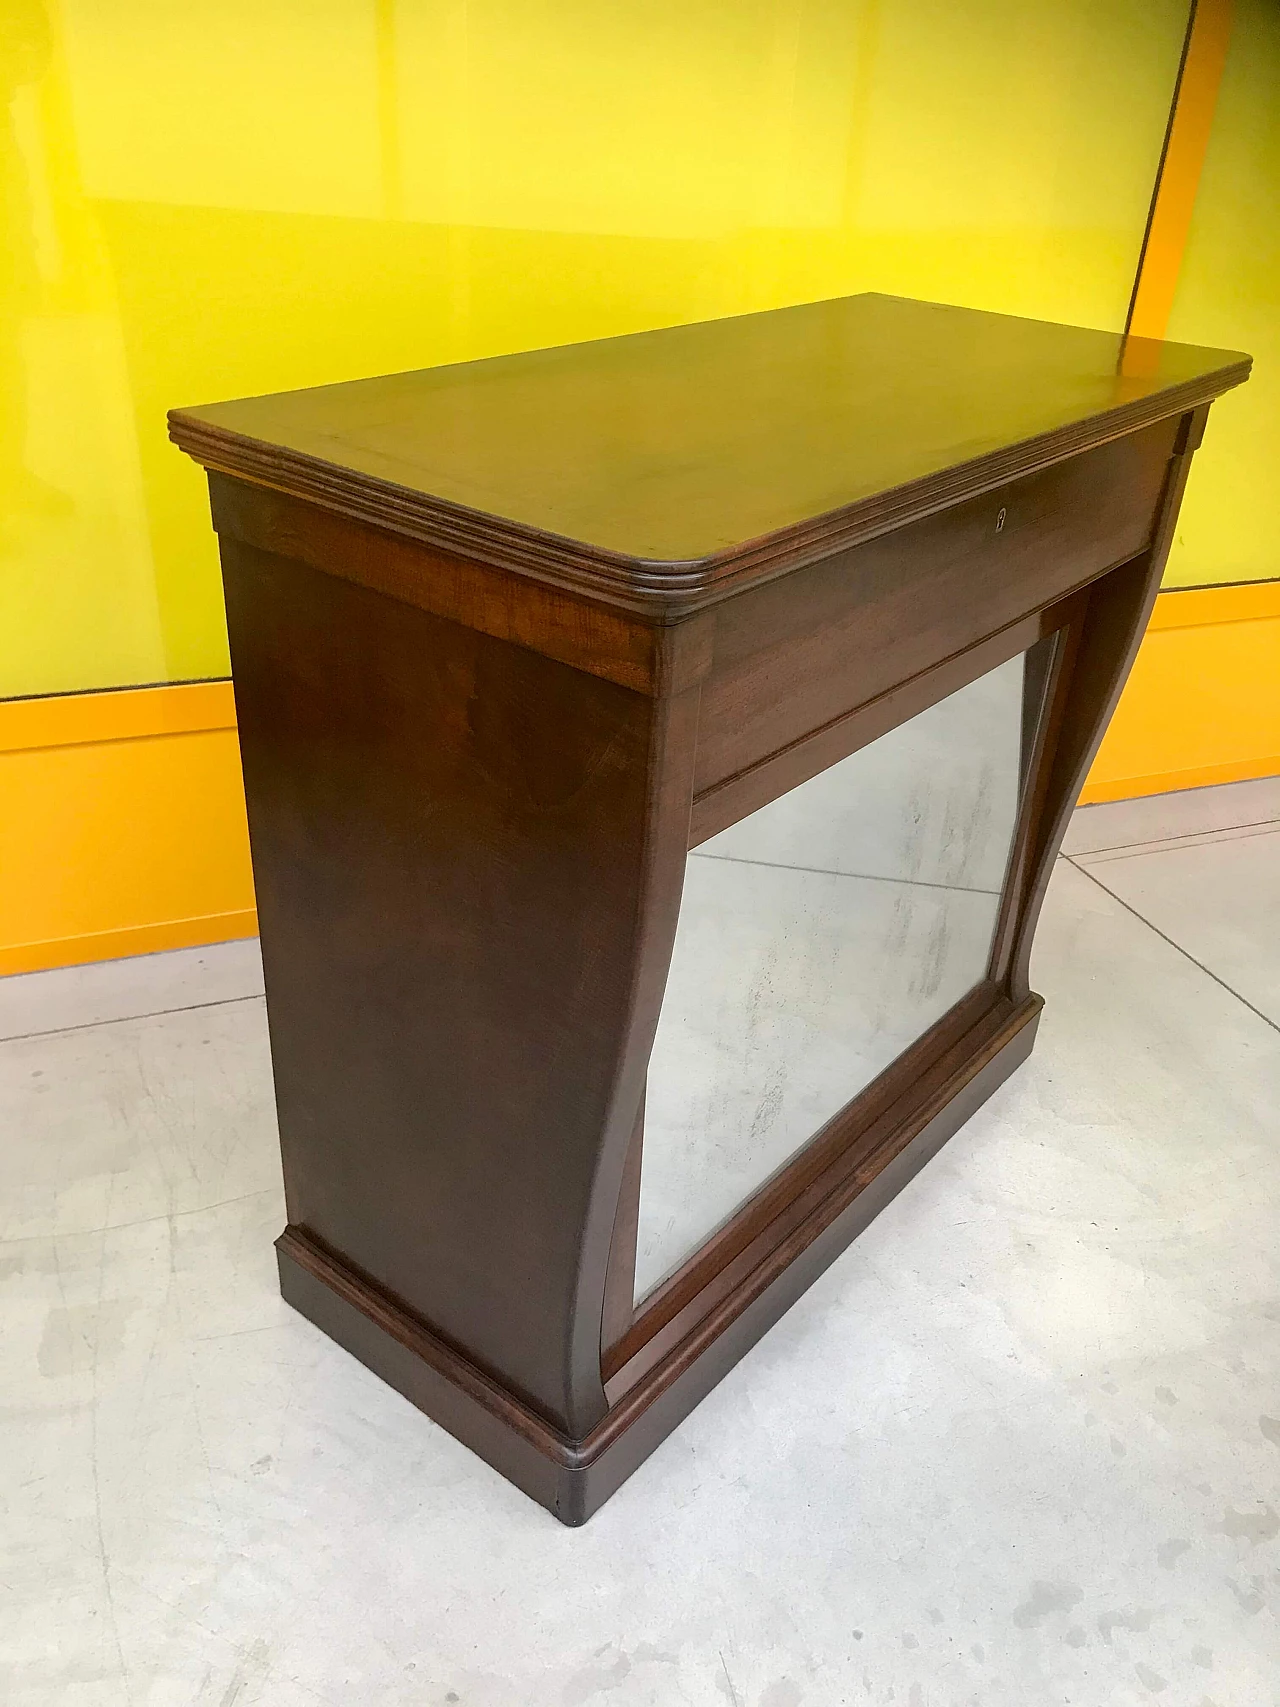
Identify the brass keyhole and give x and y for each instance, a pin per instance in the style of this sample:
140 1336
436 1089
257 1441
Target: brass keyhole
1000 521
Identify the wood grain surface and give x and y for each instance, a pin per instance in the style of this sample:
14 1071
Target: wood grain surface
668 465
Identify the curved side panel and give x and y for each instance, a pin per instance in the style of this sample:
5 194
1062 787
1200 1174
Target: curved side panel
670 765
464 855
1114 622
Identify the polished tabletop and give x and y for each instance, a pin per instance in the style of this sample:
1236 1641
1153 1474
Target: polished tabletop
678 445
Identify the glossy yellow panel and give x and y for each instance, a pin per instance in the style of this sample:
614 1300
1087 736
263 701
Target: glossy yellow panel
221 197
1229 528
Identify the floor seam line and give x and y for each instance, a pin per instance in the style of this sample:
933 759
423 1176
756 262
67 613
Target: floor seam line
1221 982
1183 844
124 1019
143 1221
826 871
1183 836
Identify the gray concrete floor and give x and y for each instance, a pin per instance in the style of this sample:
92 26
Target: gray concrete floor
1020 1445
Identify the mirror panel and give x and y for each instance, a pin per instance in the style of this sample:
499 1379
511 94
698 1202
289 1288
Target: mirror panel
818 938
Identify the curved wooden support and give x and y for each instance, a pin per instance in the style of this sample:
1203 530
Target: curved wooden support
469 860
1096 653
606 1275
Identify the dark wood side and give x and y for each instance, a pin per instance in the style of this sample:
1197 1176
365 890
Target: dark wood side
620 1279
468 861
1044 697
1103 648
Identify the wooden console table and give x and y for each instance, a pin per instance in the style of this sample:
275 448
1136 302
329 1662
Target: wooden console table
813 618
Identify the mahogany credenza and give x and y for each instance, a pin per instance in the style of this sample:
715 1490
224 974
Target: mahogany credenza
655 751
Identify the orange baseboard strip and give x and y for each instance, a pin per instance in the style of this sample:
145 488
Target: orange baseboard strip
123 714
1171 782
1203 703
1206 607
123 830
127 940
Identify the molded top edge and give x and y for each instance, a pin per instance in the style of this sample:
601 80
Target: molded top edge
662 464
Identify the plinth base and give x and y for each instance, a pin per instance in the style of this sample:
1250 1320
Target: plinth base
572 1479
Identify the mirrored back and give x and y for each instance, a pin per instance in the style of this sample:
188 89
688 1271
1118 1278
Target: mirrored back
818 938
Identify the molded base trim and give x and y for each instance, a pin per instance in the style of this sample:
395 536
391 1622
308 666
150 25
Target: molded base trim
572 1479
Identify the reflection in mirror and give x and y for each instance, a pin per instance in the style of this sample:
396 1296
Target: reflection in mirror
818 939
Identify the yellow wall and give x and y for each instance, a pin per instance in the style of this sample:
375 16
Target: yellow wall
230 196
220 197
124 828
1229 294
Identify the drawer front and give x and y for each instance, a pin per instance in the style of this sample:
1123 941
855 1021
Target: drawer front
794 654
